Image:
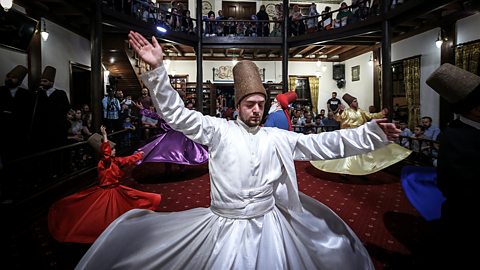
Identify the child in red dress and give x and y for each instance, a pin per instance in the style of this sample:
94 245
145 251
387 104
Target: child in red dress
83 216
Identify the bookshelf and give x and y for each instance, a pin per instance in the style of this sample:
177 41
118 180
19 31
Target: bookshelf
273 89
209 97
179 83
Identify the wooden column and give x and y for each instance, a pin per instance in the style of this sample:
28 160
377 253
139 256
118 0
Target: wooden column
376 79
34 55
285 47
387 89
199 57
447 55
96 84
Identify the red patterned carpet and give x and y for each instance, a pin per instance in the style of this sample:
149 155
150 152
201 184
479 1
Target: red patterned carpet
374 206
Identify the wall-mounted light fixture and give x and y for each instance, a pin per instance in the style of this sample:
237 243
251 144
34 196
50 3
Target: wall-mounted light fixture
6 4
370 61
440 38
44 32
234 59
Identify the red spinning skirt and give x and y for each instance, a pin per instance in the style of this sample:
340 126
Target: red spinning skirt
83 216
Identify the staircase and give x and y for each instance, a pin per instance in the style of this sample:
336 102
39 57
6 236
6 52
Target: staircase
117 60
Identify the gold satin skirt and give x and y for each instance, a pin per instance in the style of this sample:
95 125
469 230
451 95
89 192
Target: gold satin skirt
366 163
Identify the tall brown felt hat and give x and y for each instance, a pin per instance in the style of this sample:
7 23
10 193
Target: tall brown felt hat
453 83
18 72
348 98
246 80
49 73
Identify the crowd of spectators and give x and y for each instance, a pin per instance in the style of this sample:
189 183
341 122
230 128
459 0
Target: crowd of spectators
300 20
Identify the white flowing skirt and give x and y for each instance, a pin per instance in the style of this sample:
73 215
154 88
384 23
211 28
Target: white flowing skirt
199 239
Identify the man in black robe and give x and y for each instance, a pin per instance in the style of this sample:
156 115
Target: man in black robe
458 161
51 109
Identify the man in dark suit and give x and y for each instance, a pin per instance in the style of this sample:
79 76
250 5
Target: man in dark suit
15 114
51 112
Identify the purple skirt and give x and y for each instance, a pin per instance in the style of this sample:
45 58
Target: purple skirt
174 147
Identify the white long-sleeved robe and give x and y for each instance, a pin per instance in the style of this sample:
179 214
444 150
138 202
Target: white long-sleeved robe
257 218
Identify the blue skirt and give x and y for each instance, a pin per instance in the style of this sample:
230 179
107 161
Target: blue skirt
420 186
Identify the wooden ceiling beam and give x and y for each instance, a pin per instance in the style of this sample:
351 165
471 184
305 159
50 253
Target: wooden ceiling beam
176 50
355 52
313 50
332 49
295 51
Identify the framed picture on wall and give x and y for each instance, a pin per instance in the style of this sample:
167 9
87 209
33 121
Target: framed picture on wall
355 73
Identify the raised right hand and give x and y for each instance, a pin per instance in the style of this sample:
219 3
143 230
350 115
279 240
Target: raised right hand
103 130
151 53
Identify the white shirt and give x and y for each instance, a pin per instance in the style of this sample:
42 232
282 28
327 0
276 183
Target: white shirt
257 218
49 91
13 91
242 159
470 122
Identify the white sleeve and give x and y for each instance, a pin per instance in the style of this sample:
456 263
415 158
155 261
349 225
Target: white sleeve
171 108
339 143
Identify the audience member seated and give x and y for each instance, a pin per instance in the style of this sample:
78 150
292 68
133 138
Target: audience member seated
75 124
431 132
210 25
406 132
277 29
420 146
187 23
326 22
230 28
343 15
329 123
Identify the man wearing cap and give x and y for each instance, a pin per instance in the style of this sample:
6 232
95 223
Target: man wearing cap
458 157
51 110
278 115
353 116
257 218
15 114
363 164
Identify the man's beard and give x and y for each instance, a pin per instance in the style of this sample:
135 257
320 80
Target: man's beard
250 122
10 84
272 109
